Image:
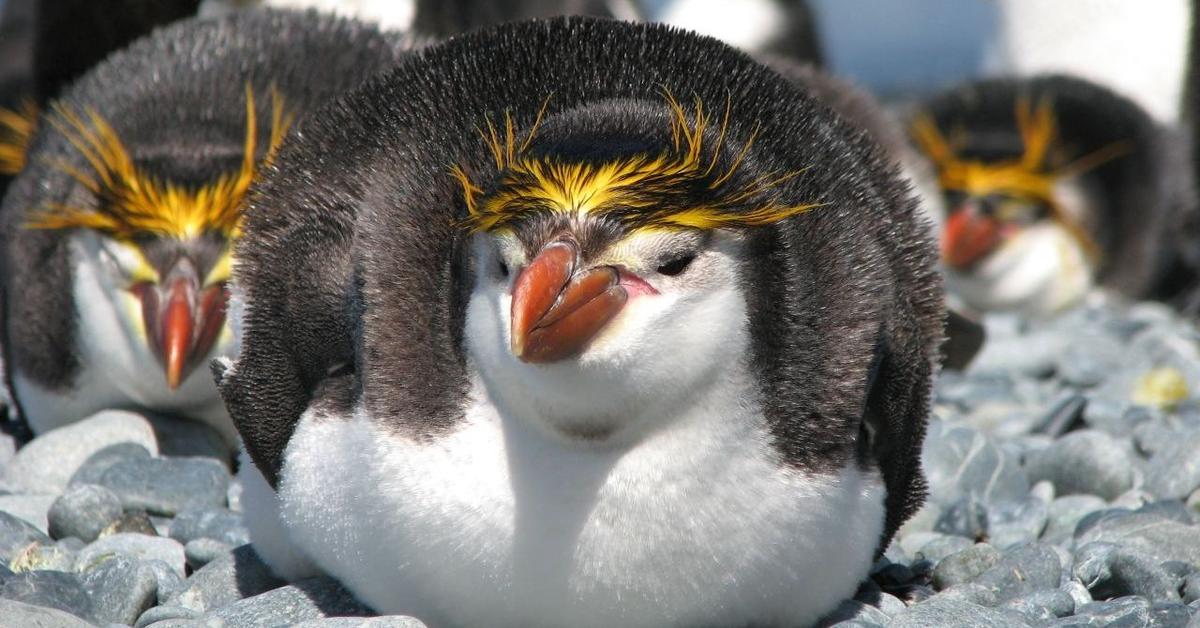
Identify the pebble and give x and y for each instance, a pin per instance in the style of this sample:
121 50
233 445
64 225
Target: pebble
1124 611
121 589
200 552
184 438
967 518
137 546
22 615
962 461
165 613
312 598
52 589
951 613
227 579
31 508
1113 571
1087 462
964 566
168 582
56 557
136 522
1170 615
1064 513
1174 471
166 486
853 610
45 465
83 511
210 523
1021 571
16 535
1044 605
1017 522
942 546
94 467
1191 587
1151 534
385 621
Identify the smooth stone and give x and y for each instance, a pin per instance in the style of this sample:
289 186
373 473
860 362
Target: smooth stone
1191 587
16 535
964 566
164 613
967 517
1023 570
1043 491
135 522
1128 611
384 621
181 438
31 508
1174 471
950 613
1087 462
853 610
1064 514
168 582
94 467
45 465
942 546
1078 592
961 461
226 580
1151 534
121 589
8 449
38 557
1063 416
138 546
970 592
1016 523
200 552
1170 615
22 615
1089 360
52 589
83 511
1113 571
870 593
213 523
312 598
1045 605
1155 436
167 486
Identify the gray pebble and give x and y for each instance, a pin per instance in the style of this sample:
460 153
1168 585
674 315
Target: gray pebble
178 437
135 522
52 589
1174 471
1153 535
168 582
1170 615
967 517
94 467
1086 461
1023 570
31 508
853 610
234 495
1062 416
1016 523
1113 571
1191 587
965 566
1088 360
385 621
951 613
200 552
312 598
83 511
1047 604
22 615
16 535
226 580
164 613
1124 611
138 546
166 486
1077 591
961 461
212 523
46 464
1064 513
942 546
8 449
39 557
121 589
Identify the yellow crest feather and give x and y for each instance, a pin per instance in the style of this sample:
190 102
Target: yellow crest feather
16 132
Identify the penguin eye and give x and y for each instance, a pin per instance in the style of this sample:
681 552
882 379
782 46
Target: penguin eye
501 267
677 265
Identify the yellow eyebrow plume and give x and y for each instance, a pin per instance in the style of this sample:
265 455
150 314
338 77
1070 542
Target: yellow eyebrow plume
16 132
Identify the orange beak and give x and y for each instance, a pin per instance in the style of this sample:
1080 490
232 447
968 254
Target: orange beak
182 320
556 309
968 237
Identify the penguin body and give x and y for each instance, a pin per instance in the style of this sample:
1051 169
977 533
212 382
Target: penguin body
549 353
1054 185
117 234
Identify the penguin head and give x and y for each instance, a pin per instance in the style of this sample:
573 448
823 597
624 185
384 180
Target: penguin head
1017 234
159 224
607 251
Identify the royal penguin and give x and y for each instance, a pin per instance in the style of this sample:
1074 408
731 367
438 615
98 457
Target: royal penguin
1054 185
546 327
117 234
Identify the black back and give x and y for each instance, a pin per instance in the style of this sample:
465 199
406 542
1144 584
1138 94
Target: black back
177 101
353 257
1150 197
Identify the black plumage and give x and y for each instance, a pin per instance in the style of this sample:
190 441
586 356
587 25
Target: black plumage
177 101
354 256
1143 198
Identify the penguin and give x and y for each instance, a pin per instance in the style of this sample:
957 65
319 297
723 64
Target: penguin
546 327
117 234
1055 185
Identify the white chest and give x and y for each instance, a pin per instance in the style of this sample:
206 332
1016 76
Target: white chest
500 524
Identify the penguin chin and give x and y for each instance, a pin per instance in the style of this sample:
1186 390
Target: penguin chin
637 373
1038 272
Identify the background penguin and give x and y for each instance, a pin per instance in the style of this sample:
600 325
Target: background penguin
117 235
546 327
1055 184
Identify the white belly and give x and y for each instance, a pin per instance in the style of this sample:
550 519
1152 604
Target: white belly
498 524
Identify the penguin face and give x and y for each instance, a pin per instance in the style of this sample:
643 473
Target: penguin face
161 229
589 339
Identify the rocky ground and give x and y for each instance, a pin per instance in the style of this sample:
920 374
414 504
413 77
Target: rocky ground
1064 471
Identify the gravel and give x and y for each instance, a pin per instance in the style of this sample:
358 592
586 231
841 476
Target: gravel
1064 490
